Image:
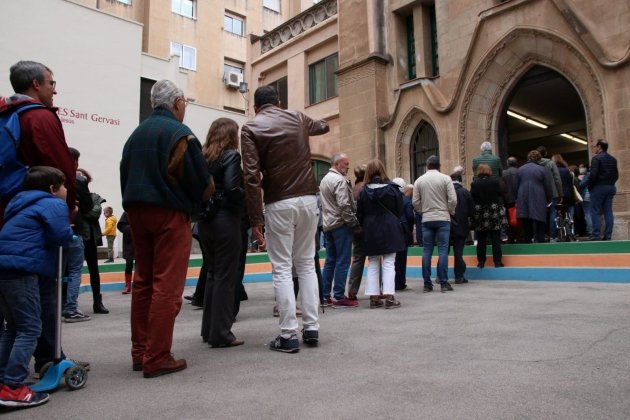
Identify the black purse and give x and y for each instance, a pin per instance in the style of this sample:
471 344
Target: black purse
211 206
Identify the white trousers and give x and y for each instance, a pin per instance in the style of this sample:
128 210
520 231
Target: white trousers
290 227
372 287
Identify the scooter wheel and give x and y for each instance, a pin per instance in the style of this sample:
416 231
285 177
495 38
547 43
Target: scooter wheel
75 377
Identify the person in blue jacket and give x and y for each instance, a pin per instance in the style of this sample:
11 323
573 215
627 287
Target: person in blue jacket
36 224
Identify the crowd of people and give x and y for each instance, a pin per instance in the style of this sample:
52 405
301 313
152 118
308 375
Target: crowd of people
170 180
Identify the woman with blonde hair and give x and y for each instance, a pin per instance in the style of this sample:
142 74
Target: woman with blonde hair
220 233
379 211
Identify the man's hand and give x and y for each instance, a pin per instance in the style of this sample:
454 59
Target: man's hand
257 230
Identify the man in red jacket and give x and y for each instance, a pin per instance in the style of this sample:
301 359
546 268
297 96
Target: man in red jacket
42 143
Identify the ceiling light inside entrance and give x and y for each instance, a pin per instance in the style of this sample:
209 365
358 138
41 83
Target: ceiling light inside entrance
526 119
575 139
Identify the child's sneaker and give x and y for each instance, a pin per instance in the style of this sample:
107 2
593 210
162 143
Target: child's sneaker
21 397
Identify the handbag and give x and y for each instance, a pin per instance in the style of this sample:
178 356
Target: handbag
211 206
577 197
512 219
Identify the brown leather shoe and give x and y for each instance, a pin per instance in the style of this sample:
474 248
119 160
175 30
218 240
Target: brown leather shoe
170 366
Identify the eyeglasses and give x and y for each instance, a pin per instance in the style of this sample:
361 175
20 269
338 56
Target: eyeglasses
185 101
52 83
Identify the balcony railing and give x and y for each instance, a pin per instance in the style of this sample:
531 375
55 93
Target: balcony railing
297 25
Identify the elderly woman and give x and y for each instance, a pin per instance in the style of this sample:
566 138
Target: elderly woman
533 195
220 233
487 193
379 211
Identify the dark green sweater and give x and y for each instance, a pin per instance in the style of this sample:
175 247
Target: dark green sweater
145 159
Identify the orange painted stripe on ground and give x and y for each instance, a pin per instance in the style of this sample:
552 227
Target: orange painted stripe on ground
558 261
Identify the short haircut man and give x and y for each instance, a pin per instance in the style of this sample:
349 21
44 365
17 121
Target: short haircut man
339 220
435 199
276 142
42 143
601 184
164 178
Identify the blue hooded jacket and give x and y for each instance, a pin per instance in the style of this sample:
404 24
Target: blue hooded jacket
36 223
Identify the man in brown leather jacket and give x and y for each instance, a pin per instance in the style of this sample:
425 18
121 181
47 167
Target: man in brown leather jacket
277 159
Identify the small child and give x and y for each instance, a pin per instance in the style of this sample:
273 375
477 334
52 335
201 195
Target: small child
36 223
110 232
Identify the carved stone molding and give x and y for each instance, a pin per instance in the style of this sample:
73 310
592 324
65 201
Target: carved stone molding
589 91
408 126
299 24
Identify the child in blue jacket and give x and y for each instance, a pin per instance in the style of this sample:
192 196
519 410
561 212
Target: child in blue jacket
36 223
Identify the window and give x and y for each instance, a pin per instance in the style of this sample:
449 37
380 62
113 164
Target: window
435 68
124 1
283 91
234 25
184 8
323 80
272 5
320 169
145 98
411 47
187 55
424 143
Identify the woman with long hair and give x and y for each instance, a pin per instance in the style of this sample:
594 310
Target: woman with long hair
220 233
487 193
379 211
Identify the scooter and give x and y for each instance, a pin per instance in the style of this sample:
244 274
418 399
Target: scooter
52 373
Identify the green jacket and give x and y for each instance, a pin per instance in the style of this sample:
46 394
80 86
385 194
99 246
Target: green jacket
91 225
491 160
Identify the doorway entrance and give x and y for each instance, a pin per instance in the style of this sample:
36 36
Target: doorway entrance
543 109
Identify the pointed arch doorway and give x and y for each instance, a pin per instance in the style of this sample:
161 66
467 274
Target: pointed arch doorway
423 143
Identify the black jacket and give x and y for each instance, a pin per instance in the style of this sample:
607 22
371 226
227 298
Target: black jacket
604 170
228 181
379 211
460 223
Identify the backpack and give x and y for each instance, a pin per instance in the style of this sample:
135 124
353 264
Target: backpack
12 170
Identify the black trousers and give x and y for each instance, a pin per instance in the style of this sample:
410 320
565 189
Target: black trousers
495 238
220 240
400 264
91 258
240 293
459 267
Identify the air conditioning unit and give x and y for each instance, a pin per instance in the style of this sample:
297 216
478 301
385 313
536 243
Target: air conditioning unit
234 79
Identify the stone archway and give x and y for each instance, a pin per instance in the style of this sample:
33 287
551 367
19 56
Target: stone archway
405 133
503 67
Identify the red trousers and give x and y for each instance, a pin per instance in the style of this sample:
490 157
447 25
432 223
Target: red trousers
162 241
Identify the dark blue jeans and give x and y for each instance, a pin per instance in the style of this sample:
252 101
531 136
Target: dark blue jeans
435 231
73 261
19 301
601 202
45 350
338 252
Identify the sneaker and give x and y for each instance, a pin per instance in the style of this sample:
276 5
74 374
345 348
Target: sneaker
345 303
391 303
326 302
22 396
446 288
77 316
285 345
427 289
310 337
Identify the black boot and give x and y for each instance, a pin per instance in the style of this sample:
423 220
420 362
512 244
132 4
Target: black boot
98 305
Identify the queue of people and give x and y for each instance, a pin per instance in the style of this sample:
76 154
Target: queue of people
168 180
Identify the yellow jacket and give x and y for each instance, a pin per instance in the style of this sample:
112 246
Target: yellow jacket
110 226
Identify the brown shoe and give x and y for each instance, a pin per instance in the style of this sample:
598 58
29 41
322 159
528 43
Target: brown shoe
170 366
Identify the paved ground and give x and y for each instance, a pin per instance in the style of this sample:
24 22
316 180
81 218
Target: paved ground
488 350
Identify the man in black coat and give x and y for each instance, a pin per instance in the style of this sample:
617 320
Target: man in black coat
601 184
460 226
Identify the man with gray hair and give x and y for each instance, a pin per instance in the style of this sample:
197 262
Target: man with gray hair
164 178
339 221
435 199
486 156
